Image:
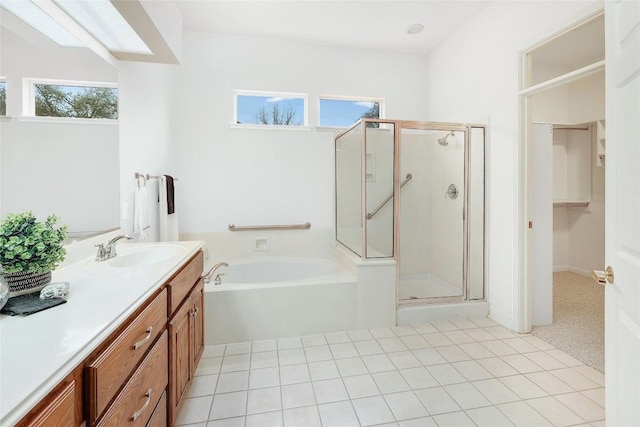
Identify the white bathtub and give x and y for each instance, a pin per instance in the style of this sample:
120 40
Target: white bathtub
274 297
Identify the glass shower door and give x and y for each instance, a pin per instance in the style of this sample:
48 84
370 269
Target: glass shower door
432 226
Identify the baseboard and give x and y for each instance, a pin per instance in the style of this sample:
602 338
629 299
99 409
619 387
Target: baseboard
560 268
580 271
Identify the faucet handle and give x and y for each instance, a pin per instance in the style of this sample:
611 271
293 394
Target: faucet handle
102 252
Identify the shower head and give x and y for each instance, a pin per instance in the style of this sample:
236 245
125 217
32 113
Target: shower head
443 141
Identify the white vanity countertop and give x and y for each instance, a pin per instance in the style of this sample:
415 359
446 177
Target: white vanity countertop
40 350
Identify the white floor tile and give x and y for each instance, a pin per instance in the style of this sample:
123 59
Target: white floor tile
318 353
467 396
500 332
437 339
538 343
313 340
404 330
597 395
523 415
342 350
213 351
233 381
337 337
382 333
264 345
453 353
196 410
366 348
523 387
499 348
521 363
235 363
454 419
479 334
444 325
591 373
446 374
351 366
264 400
203 385
464 324
495 391
489 417
297 395
262 378
497 367
414 342
209 366
329 391
575 379
424 327
472 370
405 405
404 360
476 350
564 358
429 356
378 363
555 411
390 382
302 417
266 359
227 422
549 383
419 422
458 337
520 345
361 386
228 405
544 360
338 414
363 335
289 343
323 370
292 356
372 410
238 348
392 344
418 378
437 400
583 406
269 419
292 374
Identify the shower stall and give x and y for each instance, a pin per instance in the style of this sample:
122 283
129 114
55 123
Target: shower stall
414 192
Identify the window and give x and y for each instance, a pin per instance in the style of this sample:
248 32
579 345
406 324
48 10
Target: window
82 100
3 97
270 108
342 112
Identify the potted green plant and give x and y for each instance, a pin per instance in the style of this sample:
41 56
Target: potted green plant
29 250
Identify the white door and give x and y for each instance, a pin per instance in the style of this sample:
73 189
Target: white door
622 223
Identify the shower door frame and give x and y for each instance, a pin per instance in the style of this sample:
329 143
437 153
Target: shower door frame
423 125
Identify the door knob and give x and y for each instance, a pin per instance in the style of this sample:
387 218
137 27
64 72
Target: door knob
602 277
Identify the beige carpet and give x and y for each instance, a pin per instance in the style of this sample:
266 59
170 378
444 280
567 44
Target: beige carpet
578 319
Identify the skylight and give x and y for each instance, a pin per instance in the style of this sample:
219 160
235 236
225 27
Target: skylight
101 19
40 21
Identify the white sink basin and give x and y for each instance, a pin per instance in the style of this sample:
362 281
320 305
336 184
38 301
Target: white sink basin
145 256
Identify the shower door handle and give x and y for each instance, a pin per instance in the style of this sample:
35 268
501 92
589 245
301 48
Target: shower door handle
452 192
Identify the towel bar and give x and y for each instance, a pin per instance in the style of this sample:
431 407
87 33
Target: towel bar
148 177
305 226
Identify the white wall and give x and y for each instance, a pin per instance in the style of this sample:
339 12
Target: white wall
473 76
147 141
248 176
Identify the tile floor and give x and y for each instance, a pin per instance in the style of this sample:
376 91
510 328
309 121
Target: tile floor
464 372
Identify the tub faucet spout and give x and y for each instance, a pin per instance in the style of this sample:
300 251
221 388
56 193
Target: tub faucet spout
207 277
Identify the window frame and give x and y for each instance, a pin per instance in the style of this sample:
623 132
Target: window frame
380 101
272 94
29 98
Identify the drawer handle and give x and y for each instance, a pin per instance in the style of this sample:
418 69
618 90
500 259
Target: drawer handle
139 412
143 340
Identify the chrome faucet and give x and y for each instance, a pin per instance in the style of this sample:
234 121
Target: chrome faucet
109 251
217 280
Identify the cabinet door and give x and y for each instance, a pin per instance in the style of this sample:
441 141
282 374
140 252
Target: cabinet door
197 344
179 358
59 412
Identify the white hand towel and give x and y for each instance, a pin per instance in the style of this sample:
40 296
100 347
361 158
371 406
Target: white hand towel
141 219
168 223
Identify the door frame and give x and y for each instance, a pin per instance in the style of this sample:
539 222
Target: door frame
523 291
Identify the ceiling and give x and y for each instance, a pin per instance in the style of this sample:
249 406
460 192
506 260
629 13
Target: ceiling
367 24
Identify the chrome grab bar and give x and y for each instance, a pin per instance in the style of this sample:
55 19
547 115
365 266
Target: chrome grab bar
407 178
305 226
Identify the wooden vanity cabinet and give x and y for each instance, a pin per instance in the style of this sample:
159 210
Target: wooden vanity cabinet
186 332
57 409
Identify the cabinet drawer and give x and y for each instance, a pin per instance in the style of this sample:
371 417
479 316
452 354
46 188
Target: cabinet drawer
59 411
180 285
108 372
135 404
159 416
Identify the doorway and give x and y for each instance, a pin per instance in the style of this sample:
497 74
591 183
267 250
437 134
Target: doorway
564 102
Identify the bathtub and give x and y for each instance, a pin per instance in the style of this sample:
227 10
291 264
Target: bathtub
275 296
